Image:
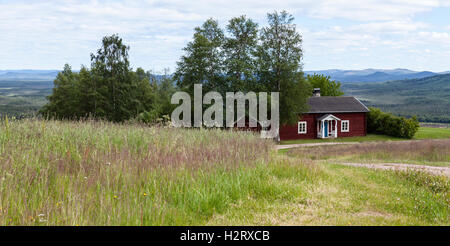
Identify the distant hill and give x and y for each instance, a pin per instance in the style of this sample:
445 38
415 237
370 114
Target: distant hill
366 75
37 75
28 74
428 98
373 75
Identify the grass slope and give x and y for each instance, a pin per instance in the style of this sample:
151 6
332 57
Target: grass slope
336 195
95 173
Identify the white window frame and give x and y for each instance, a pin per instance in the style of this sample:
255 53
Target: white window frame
302 123
342 126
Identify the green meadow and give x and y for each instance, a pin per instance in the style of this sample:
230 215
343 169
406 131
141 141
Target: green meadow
98 173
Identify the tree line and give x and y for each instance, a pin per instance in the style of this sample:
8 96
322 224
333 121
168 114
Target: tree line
109 89
242 57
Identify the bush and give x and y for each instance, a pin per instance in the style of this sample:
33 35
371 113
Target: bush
386 123
153 118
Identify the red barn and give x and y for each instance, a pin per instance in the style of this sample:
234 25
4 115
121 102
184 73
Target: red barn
329 117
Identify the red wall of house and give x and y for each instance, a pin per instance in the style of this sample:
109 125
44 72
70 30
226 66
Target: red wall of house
291 131
358 126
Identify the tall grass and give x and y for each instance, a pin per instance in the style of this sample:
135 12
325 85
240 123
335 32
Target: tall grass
98 173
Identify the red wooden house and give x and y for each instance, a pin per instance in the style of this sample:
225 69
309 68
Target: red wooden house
329 117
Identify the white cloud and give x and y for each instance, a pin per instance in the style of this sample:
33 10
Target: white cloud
397 27
435 38
46 34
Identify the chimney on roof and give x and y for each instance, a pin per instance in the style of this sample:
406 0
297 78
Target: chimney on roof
316 92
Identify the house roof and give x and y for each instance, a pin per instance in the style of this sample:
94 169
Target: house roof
336 105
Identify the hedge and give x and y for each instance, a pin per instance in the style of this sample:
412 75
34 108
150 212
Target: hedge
385 123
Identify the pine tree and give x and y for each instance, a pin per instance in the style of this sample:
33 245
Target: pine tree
63 102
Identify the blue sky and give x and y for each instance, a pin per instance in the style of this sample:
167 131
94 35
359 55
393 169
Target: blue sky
342 34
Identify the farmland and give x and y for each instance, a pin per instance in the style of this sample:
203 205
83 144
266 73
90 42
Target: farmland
98 173
23 97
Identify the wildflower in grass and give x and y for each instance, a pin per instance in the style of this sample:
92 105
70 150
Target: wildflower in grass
115 197
145 194
41 218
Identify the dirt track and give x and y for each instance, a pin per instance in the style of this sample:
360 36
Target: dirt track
290 146
402 166
386 166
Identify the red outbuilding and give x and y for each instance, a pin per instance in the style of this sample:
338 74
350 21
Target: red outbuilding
329 117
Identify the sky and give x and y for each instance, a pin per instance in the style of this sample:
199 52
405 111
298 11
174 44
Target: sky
337 34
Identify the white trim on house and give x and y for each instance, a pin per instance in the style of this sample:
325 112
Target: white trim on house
302 127
331 123
345 125
328 117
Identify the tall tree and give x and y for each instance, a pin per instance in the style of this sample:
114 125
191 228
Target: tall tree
203 59
240 50
142 94
87 93
327 86
279 65
63 102
110 90
165 91
111 66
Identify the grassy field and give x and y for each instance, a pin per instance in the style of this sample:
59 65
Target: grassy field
432 133
328 194
430 152
422 133
96 173
23 97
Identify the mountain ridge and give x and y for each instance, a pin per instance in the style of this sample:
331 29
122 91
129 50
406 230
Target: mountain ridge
428 98
374 75
364 75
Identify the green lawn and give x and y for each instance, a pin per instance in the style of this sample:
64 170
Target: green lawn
422 133
432 133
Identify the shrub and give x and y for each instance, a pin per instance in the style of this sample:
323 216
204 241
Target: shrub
148 117
386 123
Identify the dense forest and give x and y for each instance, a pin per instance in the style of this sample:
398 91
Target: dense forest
427 98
